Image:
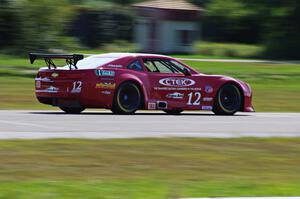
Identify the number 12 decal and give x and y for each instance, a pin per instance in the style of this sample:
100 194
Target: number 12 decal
77 87
194 98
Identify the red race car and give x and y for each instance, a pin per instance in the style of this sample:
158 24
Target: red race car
127 82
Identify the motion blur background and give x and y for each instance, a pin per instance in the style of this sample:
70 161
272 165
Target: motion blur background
232 34
271 28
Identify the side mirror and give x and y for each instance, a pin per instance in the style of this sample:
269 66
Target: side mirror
186 72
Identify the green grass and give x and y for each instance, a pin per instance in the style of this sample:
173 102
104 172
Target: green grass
276 87
228 50
202 50
149 168
18 93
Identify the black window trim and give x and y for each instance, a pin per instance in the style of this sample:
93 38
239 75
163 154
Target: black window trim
136 60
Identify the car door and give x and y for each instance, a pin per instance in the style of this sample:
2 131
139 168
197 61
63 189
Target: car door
170 85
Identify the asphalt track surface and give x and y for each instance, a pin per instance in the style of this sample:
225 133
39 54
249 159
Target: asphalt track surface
104 125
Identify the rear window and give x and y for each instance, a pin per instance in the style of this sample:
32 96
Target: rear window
93 62
136 65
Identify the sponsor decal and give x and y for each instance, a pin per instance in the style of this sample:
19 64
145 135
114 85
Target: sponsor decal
151 106
207 99
52 89
77 85
176 89
45 79
106 85
115 66
38 84
194 98
76 91
108 73
54 75
107 79
106 92
207 108
175 95
209 89
177 82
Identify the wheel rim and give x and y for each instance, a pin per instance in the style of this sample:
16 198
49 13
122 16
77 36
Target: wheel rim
230 98
129 98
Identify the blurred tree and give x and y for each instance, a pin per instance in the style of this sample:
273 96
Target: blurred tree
123 2
283 35
33 24
231 21
8 24
274 23
96 27
200 2
44 21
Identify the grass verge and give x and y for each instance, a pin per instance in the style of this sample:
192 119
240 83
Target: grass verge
228 50
149 168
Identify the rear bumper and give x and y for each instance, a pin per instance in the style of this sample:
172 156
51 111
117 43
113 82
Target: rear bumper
60 98
51 94
60 102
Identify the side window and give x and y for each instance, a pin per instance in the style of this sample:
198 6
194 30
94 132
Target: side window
157 66
136 65
150 66
178 66
163 66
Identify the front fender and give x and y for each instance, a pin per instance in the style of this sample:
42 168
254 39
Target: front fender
246 92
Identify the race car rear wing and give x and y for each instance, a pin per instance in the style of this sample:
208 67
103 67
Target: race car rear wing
71 59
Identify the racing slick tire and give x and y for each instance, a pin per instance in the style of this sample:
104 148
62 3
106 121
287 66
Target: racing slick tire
72 110
128 99
173 112
228 100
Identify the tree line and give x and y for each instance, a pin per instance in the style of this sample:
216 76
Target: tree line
43 24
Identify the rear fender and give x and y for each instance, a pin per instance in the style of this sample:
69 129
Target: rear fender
129 77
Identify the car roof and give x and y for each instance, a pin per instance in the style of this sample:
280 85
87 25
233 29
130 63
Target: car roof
128 55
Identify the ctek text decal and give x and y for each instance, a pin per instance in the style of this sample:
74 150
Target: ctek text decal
176 82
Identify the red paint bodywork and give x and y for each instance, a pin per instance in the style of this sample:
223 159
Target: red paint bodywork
92 95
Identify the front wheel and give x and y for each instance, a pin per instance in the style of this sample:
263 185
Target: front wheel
228 100
70 110
128 99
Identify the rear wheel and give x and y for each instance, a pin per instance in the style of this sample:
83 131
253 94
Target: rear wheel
128 99
228 100
71 110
